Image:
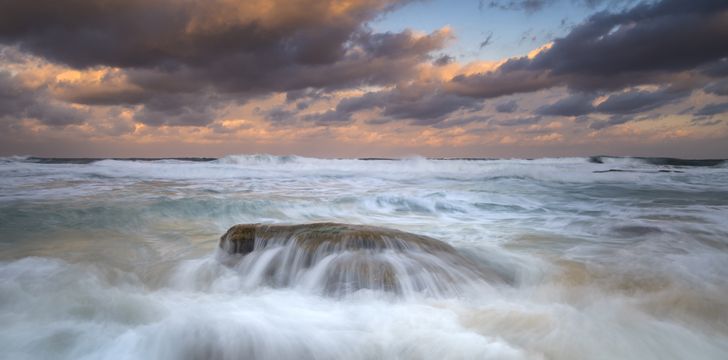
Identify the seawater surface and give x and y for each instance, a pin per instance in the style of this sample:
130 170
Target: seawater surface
602 258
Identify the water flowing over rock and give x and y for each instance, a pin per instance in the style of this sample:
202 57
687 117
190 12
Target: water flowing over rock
339 259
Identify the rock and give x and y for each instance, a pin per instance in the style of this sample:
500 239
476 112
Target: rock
327 237
338 259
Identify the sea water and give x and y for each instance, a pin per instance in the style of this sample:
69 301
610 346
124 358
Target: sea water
598 258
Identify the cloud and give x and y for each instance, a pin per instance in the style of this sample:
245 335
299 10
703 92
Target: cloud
525 5
643 38
647 44
425 108
508 79
574 105
444 60
507 107
282 69
612 121
420 103
462 121
718 87
167 33
716 69
621 105
713 109
238 50
19 101
531 6
488 40
520 121
635 101
705 121
179 110
329 117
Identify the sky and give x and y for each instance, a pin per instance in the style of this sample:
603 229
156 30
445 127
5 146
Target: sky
364 78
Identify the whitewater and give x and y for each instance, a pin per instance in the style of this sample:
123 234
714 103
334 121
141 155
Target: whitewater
592 258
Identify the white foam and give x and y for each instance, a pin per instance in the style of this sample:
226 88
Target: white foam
628 265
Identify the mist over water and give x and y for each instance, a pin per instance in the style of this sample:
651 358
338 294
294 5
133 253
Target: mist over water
601 258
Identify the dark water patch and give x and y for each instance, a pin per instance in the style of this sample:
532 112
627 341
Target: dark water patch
649 195
683 162
682 218
429 158
596 159
613 170
467 159
636 230
637 171
39 217
499 207
664 161
83 161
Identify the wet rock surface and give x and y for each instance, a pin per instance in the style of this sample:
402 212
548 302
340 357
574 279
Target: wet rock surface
242 238
338 259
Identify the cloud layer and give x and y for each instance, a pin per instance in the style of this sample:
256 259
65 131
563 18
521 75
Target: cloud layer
214 71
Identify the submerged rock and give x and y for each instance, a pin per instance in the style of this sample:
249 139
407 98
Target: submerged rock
328 237
338 259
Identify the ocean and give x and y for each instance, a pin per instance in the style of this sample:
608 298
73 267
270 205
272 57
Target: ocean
596 258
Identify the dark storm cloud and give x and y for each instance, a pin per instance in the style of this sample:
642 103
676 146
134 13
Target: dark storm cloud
420 104
443 60
669 35
425 109
13 97
305 97
530 6
620 103
168 33
636 101
328 117
461 121
503 81
305 94
182 62
532 120
179 110
19 102
713 109
705 121
573 105
612 121
719 87
716 69
369 59
609 51
169 49
526 5
507 107
280 115
235 47
104 95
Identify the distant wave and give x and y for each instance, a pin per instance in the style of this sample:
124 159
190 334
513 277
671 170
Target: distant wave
268 159
254 159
